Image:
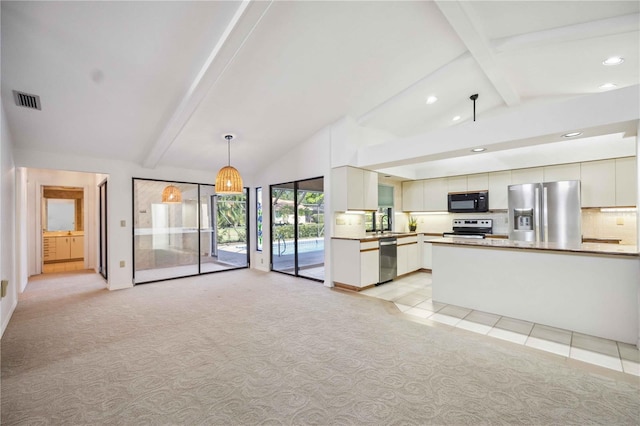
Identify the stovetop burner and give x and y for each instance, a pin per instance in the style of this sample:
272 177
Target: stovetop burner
471 228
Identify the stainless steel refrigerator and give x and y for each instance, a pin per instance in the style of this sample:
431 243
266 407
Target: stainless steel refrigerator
546 212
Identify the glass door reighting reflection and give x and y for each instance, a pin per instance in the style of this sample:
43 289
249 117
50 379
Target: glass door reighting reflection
297 222
183 229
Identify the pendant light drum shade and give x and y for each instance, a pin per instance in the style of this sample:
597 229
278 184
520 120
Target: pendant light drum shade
171 194
229 180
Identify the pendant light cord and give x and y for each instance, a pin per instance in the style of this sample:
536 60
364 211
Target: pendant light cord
228 138
473 98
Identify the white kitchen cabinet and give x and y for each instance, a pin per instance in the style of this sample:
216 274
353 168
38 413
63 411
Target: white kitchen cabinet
498 190
626 181
598 183
478 182
407 255
354 189
355 264
426 251
561 172
531 175
369 267
457 184
435 195
412 196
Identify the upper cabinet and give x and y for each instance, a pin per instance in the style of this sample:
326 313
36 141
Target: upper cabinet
354 189
412 196
531 175
561 172
478 182
457 184
499 190
598 183
435 195
626 181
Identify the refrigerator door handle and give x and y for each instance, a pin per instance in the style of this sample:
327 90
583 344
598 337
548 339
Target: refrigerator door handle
536 214
545 215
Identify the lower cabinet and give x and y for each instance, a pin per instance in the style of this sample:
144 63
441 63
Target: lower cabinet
426 254
63 248
355 264
408 257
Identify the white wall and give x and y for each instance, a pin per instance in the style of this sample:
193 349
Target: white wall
7 222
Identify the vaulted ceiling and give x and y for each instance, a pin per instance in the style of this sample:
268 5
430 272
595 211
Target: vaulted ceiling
159 83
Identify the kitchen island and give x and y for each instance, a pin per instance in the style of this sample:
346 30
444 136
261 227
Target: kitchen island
589 288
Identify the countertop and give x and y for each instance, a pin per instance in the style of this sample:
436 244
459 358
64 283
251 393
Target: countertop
63 233
376 237
584 248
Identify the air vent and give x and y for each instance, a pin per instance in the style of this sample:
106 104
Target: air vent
26 100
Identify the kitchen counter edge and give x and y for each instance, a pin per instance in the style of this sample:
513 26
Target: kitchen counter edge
584 248
377 237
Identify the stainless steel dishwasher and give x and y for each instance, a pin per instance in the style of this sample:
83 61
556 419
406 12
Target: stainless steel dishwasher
388 259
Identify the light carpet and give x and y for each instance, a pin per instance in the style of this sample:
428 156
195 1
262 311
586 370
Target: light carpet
248 347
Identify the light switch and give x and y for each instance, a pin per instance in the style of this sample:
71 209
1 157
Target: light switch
123 223
122 263
619 220
3 288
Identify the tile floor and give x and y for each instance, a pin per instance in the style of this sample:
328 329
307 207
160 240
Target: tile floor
412 295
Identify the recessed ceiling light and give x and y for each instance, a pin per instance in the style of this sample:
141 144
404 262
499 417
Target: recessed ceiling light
478 149
571 135
456 118
614 60
608 86
431 100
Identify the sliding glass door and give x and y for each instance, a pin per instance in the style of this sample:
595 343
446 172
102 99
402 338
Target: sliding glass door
283 222
183 229
297 228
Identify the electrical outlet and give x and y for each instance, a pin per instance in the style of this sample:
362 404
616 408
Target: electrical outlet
3 288
123 223
261 261
619 220
122 263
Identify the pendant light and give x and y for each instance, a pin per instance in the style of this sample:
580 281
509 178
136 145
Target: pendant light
229 180
171 194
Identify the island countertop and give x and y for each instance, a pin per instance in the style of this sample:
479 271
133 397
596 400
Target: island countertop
584 248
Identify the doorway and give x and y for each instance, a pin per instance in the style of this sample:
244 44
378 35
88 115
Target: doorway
297 228
62 229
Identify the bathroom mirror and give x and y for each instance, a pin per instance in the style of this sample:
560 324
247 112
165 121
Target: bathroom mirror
62 208
61 215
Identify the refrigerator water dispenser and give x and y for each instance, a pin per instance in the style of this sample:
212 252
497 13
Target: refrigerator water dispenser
523 219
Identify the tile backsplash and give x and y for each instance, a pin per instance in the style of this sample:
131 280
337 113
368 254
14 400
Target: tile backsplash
614 225
595 224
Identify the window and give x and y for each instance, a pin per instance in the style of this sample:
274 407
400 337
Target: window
259 219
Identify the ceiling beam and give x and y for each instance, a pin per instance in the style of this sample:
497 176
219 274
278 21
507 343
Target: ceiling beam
240 27
600 28
459 17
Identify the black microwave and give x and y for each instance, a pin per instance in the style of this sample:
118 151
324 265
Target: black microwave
468 202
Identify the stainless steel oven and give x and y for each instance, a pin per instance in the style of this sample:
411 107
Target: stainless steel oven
388 259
